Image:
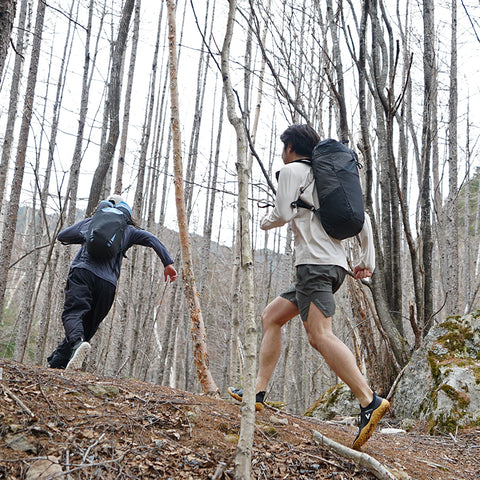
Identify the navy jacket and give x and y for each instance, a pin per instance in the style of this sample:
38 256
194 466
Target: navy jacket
109 269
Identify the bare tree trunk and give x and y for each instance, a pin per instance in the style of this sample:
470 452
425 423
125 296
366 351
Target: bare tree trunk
57 109
451 217
12 107
384 72
236 353
285 387
165 359
476 237
399 346
298 371
128 97
144 364
380 372
287 277
122 341
171 358
164 137
472 247
198 329
8 234
202 72
7 17
429 75
29 299
88 68
163 203
338 86
113 101
244 448
140 312
211 198
59 268
137 205
24 317
45 317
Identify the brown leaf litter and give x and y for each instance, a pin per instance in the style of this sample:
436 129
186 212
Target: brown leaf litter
58 424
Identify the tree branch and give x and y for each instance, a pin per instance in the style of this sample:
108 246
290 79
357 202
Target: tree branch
249 137
283 89
471 21
28 253
64 14
362 459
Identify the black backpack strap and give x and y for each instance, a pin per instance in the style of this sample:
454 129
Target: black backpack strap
306 160
299 203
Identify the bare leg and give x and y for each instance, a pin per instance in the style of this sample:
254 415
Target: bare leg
337 355
275 316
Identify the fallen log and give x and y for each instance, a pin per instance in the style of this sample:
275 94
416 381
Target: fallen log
360 458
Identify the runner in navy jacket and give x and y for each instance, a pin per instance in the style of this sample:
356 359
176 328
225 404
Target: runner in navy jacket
91 285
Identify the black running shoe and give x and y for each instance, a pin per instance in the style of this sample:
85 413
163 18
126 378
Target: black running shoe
237 394
369 417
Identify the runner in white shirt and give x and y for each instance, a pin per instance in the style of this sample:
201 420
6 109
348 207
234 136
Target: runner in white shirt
321 265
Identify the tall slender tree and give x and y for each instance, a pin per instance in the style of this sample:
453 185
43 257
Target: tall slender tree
7 16
451 215
198 328
128 98
399 346
429 76
338 87
29 301
244 447
58 269
114 90
8 234
138 205
14 97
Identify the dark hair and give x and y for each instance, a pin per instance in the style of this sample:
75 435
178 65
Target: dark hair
301 138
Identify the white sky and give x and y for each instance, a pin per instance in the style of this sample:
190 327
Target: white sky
53 44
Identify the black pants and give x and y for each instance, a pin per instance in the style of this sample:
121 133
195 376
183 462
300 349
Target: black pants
88 300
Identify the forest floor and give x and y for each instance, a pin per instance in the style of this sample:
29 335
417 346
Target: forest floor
93 427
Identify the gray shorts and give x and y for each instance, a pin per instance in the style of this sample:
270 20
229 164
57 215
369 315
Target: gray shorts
317 284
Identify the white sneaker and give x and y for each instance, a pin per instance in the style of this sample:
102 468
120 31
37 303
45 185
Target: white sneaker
80 352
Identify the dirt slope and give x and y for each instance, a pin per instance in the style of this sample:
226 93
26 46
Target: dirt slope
107 428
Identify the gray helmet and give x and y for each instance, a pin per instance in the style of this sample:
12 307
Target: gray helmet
115 199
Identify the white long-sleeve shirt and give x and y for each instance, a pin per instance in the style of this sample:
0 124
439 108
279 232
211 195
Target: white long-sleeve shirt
312 244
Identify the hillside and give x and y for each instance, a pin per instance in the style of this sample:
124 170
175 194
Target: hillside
109 428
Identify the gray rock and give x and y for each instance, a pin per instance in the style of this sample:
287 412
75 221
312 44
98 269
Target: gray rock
338 401
104 390
408 424
441 383
45 468
20 442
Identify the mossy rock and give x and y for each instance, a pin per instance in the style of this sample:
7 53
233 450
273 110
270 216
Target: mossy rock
337 401
441 383
101 391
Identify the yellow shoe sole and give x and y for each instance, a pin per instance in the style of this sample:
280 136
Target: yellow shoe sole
258 405
368 429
